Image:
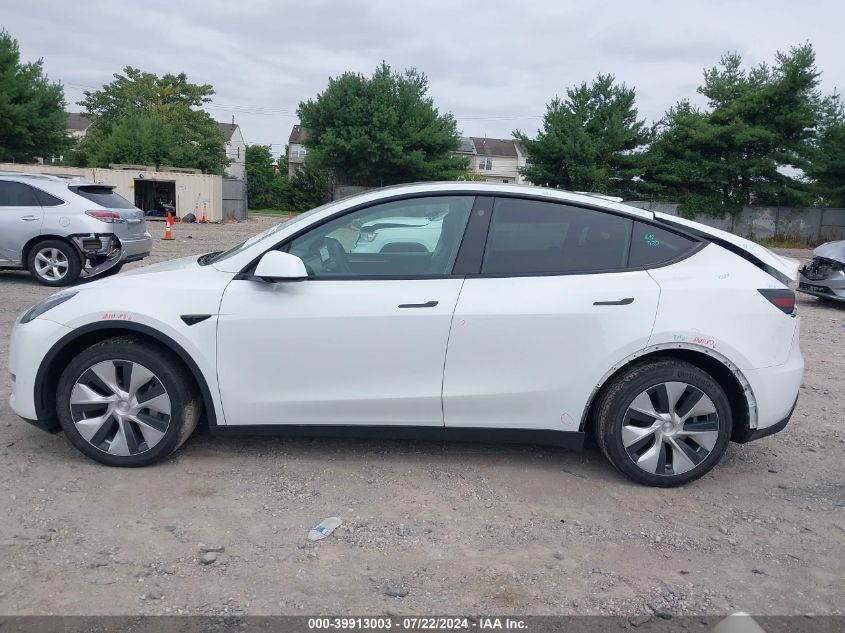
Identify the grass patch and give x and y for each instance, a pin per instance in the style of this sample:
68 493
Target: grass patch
784 241
278 212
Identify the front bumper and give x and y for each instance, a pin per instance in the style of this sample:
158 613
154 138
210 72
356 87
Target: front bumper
29 344
824 289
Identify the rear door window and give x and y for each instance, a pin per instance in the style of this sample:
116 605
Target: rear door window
104 196
17 194
537 237
652 245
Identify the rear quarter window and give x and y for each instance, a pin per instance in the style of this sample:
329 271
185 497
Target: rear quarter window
104 196
652 245
46 199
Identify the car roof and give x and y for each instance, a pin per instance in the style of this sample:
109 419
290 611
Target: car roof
41 178
493 189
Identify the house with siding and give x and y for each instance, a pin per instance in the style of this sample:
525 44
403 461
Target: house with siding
235 149
77 125
495 159
296 149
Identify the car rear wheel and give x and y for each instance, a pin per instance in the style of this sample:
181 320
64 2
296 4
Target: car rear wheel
663 422
54 263
127 402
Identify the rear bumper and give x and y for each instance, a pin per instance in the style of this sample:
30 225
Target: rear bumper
749 435
133 250
775 392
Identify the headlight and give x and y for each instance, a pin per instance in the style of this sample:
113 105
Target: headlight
49 303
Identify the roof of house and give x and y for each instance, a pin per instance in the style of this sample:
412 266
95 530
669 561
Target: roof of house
77 122
466 146
298 134
227 128
494 146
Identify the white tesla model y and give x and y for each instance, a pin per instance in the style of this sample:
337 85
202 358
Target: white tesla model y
536 316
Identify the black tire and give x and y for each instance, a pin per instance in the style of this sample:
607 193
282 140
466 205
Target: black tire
70 254
185 402
613 407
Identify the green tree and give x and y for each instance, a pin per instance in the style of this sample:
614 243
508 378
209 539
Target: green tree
827 165
32 118
749 146
308 188
380 130
590 141
143 118
261 177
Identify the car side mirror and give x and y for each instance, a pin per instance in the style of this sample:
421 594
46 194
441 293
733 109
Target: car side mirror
279 266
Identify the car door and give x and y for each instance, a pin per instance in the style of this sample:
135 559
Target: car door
20 220
362 340
551 309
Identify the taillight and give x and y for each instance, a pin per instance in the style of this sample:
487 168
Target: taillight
105 216
783 300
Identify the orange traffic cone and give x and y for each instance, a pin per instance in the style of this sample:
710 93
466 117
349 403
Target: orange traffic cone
290 215
204 219
170 221
168 235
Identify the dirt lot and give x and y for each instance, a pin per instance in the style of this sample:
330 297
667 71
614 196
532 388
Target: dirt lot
460 528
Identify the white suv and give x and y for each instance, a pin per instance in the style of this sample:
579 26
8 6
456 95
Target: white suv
538 316
61 228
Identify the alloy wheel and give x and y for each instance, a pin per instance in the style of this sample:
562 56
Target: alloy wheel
51 264
120 407
670 428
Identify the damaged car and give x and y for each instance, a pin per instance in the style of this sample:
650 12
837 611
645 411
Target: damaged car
824 275
61 229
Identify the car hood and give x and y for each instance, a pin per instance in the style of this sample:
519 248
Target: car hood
784 265
831 250
182 263
176 269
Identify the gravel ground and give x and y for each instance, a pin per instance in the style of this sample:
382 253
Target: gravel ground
427 528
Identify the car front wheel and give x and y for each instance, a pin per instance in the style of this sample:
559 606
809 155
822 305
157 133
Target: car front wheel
663 422
127 402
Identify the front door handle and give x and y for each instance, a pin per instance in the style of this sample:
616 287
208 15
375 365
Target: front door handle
427 304
29 218
621 302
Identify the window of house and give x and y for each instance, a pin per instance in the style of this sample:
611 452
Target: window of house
17 194
531 237
297 151
485 163
419 236
651 245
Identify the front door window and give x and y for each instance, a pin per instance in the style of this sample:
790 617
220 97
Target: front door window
415 237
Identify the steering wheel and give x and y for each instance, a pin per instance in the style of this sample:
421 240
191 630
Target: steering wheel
337 255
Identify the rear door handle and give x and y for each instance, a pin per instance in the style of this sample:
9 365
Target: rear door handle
621 302
427 304
29 218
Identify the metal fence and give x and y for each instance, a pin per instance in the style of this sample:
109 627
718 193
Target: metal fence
812 223
234 199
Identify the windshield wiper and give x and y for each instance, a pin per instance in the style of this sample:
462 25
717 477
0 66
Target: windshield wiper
208 258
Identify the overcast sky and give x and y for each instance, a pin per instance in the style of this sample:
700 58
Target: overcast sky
493 64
